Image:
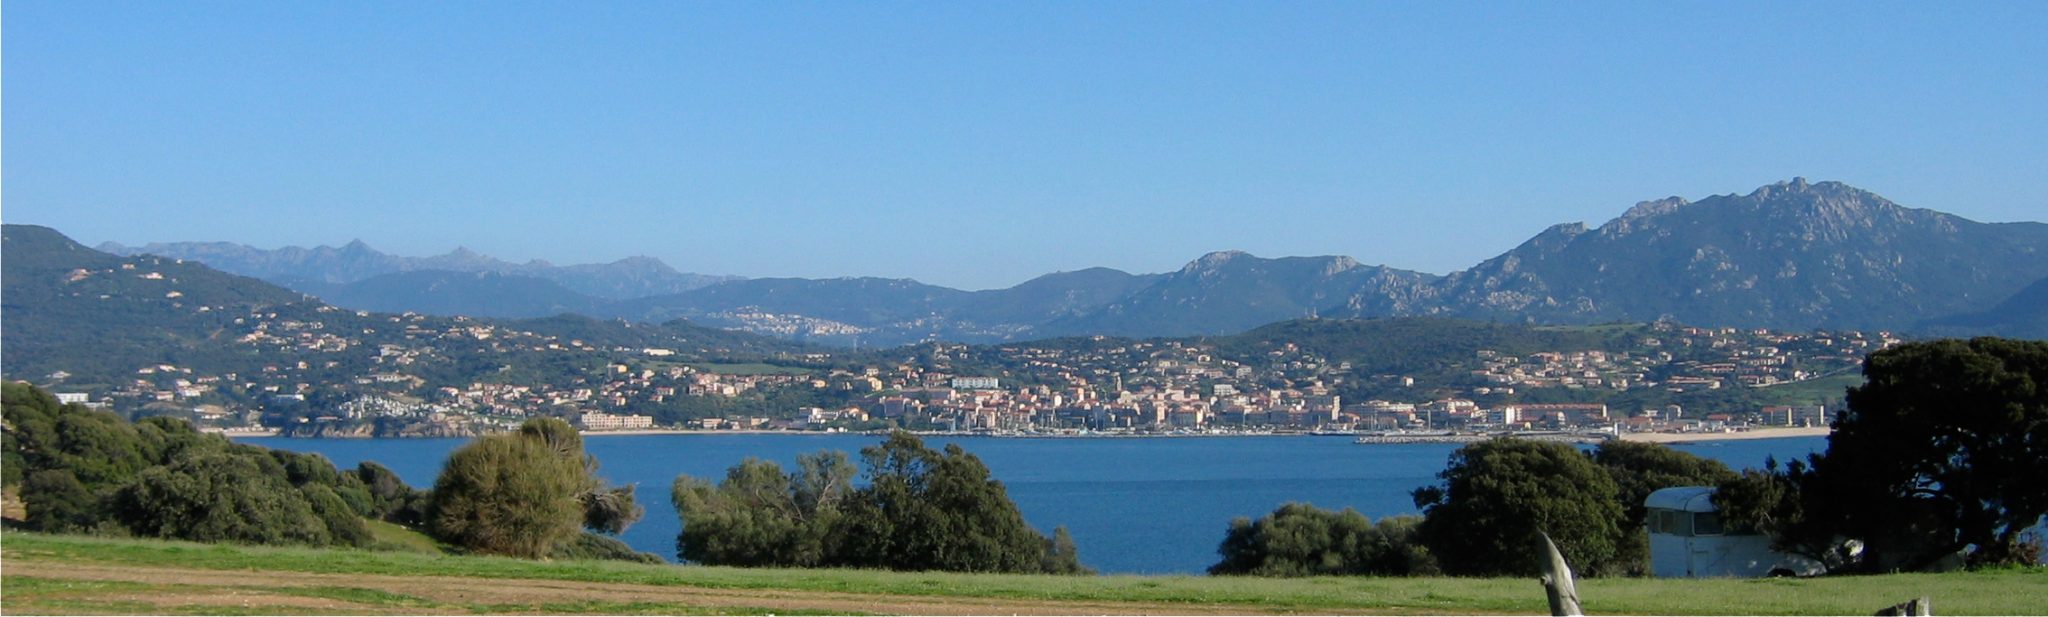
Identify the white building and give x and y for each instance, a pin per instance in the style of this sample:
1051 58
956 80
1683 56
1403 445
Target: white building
975 383
598 421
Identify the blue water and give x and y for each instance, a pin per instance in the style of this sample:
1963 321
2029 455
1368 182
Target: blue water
1136 505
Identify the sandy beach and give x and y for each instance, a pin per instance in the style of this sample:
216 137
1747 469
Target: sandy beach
698 431
1758 433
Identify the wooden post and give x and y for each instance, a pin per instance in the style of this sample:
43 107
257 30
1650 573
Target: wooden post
1557 579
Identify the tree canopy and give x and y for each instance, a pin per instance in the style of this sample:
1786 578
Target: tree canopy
1299 539
1639 469
760 516
921 509
524 493
1937 455
1955 429
83 470
1498 493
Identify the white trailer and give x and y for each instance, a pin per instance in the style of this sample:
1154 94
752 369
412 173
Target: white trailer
1688 540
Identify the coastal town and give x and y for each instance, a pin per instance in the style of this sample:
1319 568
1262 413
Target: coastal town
339 373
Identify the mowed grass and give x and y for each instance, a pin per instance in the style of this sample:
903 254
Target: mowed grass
2019 591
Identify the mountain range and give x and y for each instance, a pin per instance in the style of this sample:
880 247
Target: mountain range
1791 255
100 316
333 269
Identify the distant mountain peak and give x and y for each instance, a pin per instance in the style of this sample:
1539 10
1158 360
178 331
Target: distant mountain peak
641 260
1218 258
1214 261
1826 189
1642 215
1341 263
1644 209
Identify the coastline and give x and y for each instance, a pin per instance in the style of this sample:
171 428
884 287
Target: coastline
1648 437
698 431
1756 433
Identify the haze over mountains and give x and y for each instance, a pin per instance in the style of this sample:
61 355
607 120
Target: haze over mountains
334 268
1791 255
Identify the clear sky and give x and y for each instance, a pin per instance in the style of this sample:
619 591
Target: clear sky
977 145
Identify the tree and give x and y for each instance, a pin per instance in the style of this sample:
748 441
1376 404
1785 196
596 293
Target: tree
605 510
929 510
99 448
1061 555
1302 540
922 509
390 498
344 523
1791 506
219 496
1498 493
757 516
1638 469
508 495
88 470
57 502
524 493
1941 451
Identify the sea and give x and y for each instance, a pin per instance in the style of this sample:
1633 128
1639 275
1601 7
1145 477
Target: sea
1136 505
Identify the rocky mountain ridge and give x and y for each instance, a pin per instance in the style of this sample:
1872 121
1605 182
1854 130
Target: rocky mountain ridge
1792 255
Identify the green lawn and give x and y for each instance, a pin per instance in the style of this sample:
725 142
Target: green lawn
1812 391
1996 592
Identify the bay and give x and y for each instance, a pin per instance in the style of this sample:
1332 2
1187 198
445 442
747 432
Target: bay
1133 505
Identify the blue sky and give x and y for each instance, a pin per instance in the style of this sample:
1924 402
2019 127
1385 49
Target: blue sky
978 144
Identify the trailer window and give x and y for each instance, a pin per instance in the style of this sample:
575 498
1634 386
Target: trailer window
1670 522
1706 523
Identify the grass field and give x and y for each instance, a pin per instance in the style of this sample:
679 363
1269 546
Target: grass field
65 574
1812 391
390 537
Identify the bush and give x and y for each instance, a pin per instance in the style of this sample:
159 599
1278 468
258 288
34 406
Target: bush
590 546
218 496
91 471
506 495
522 493
57 502
1303 540
342 522
759 516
